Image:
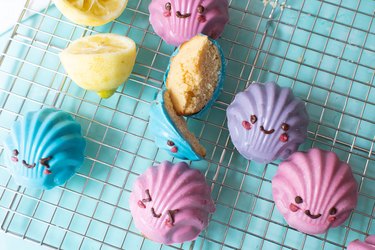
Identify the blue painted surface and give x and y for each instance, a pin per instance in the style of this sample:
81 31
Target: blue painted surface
327 63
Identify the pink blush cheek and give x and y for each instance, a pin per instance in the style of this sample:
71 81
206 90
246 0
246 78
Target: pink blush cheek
202 19
167 13
284 137
141 204
331 219
246 125
47 171
293 207
168 223
174 150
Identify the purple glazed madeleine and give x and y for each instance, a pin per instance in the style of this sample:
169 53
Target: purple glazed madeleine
266 122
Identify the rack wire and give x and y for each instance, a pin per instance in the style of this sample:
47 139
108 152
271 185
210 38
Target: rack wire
323 50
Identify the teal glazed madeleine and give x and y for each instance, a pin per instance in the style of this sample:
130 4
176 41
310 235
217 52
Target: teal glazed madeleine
44 149
170 131
220 80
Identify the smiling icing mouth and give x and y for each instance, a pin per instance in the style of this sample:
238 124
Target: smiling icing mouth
312 216
28 165
294 208
267 132
179 15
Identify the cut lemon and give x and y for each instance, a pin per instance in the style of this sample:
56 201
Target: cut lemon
91 12
100 62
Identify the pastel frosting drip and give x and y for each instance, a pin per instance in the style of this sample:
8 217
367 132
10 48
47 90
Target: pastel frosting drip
220 82
167 135
368 244
314 191
170 203
44 149
176 21
266 122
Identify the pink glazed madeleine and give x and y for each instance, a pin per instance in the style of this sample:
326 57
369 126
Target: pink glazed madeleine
170 203
176 21
314 191
368 244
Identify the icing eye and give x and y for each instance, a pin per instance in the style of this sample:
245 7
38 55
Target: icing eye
170 143
200 9
15 154
298 200
333 211
148 199
168 6
253 119
285 126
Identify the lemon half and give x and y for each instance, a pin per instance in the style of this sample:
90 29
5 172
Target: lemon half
100 62
91 12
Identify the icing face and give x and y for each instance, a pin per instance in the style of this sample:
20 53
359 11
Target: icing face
43 162
253 119
169 221
298 205
266 122
169 9
176 21
174 148
314 191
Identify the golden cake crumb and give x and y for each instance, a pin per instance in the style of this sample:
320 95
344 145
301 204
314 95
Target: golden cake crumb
182 126
193 75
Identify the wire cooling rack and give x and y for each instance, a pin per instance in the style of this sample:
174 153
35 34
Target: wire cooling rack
323 50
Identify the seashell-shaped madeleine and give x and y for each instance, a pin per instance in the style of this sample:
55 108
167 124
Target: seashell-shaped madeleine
176 21
170 203
44 149
368 244
266 122
314 191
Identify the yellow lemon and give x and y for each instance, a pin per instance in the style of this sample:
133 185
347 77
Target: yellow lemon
91 12
100 62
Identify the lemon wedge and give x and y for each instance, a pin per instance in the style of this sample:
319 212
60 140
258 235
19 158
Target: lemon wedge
91 12
100 62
